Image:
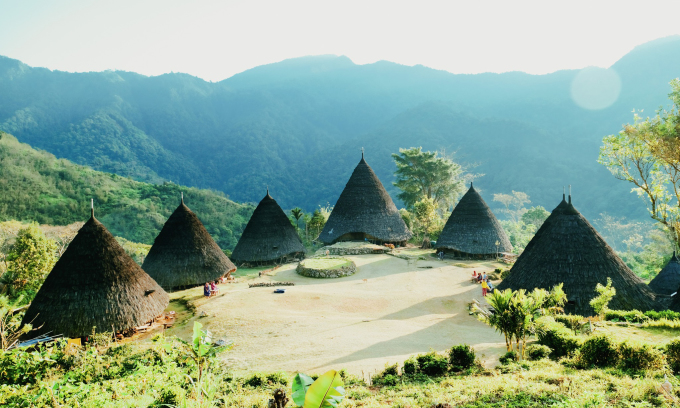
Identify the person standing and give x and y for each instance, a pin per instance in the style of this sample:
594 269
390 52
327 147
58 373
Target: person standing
485 287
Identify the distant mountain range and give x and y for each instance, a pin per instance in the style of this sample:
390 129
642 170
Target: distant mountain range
297 126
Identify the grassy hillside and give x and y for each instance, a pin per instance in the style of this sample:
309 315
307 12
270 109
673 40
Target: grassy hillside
267 125
36 186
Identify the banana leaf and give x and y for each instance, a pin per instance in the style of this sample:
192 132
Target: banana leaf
300 385
326 391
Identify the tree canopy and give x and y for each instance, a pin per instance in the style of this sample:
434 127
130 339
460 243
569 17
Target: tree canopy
647 154
424 175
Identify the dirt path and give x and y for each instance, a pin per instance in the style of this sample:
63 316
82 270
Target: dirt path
387 311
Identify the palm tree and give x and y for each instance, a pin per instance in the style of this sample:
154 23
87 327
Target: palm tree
502 318
297 214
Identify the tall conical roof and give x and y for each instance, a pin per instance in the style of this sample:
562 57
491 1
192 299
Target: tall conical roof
473 229
364 208
184 253
269 235
667 281
95 283
569 250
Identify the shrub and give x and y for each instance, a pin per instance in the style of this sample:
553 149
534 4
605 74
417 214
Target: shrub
673 355
631 316
640 357
509 357
256 380
389 380
572 322
555 335
388 376
411 366
462 357
664 314
277 379
432 364
598 351
504 273
538 351
663 324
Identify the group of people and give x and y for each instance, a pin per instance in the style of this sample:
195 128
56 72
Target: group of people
210 289
487 286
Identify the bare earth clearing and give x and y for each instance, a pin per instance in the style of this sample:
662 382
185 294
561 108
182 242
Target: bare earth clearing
390 309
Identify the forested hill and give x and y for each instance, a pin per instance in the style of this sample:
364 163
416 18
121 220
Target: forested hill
36 186
298 125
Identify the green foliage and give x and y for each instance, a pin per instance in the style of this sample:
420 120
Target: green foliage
605 294
645 155
255 380
673 355
598 351
640 357
538 351
301 384
325 391
10 322
411 366
561 340
631 316
424 175
664 314
432 364
137 251
38 187
201 349
462 357
572 322
388 377
29 261
535 216
509 357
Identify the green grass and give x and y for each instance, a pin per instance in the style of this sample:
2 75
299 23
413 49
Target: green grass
326 263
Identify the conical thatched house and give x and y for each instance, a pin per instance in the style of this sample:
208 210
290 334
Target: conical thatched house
95 284
569 250
473 230
184 254
667 281
268 237
365 210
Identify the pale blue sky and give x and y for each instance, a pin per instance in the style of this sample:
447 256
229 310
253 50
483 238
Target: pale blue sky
216 39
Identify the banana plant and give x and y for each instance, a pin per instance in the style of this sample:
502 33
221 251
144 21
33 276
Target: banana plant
326 391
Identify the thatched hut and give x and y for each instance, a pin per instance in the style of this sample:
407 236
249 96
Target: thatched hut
472 230
569 250
667 281
184 254
268 237
365 211
95 284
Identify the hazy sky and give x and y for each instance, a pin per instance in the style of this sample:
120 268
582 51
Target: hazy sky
216 39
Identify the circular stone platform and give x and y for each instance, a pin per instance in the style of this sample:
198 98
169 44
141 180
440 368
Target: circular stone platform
326 267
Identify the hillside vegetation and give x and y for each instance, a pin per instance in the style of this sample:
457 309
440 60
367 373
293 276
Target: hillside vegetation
36 186
297 125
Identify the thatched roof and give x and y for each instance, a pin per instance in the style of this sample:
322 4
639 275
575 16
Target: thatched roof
95 283
268 237
184 254
667 281
473 229
364 210
569 250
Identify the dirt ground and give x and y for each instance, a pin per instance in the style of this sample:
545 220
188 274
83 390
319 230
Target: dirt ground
389 310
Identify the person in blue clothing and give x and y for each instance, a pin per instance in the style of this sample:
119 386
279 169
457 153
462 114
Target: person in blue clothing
206 290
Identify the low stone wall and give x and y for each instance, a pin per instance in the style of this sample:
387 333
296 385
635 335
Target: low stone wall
352 251
346 270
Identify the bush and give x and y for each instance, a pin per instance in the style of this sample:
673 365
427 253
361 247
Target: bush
277 379
664 314
432 364
572 322
640 357
462 357
503 273
598 351
509 357
389 380
673 355
538 351
411 366
256 380
555 335
389 376
630 316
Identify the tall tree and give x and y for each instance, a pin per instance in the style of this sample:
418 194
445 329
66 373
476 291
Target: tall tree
423 174
297 214
647 154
